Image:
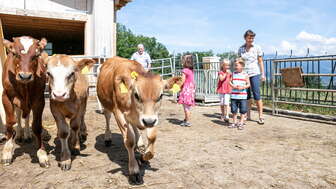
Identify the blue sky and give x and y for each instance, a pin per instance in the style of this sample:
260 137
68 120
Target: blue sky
187 25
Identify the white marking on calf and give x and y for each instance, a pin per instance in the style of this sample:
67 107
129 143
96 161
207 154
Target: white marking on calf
60 74
26 43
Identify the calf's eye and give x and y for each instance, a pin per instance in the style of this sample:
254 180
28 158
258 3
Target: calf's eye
71 75
137 97
49 74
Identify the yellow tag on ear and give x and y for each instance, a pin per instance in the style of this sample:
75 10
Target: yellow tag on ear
85 70
123 88
134 75
176 88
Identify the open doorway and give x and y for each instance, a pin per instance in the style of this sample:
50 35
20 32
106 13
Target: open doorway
64 36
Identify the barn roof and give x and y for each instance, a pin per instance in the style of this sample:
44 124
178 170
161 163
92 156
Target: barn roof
120 3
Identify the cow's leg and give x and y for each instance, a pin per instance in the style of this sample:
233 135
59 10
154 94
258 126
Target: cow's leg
83 130
37 130
8 150
23 134
19 130
130 144
108 133
133 167
140 144
27 136
63 134
74 135
151 137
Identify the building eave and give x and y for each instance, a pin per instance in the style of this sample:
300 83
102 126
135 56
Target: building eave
118 4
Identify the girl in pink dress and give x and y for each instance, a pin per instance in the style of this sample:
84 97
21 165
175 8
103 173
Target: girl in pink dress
187 94
224 89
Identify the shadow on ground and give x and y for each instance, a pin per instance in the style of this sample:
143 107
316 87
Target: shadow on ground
117 153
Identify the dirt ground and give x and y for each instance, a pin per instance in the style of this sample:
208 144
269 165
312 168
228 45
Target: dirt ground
284 153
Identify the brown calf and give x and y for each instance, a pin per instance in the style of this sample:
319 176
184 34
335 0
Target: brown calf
24 83
68 98
135 103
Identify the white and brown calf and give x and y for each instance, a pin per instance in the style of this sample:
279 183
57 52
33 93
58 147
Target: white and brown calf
68 97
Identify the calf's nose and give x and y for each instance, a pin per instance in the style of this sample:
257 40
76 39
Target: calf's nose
59 94
149 122
25 76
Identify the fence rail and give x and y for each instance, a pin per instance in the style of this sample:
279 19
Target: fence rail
318 72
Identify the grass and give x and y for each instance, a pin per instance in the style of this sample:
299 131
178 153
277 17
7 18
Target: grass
301 108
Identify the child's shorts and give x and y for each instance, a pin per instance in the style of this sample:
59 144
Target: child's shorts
240 104
224 99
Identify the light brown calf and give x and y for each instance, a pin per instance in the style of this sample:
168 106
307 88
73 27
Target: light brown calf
135 103
68 98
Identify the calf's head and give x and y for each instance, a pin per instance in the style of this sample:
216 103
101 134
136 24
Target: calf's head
26 51
147 95
63 72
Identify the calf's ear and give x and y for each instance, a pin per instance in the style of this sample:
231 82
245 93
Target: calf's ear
9 46
45 57
43 43
85 62
172 83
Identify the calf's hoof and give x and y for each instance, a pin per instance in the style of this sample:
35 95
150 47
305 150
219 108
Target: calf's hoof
8 152
43 158
82 138
147 156
28 140
75 152
65 165
108 143
136 179
6 162
142 149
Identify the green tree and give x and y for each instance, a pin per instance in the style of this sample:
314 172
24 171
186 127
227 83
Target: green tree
127 44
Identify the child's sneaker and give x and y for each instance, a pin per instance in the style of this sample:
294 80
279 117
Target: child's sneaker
232 125
182 124
187 124
241 126
227 119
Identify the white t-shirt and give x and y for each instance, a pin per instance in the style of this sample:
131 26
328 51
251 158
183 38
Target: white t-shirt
252 67
144 59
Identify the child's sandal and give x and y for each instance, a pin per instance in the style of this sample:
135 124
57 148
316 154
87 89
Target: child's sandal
232 125
261 121
240 126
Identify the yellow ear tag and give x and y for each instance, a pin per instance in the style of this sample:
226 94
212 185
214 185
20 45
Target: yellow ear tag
176 88
85 70
123 88
134 75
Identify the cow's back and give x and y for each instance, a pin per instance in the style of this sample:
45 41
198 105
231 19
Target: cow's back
115 72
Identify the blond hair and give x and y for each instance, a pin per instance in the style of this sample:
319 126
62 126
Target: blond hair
240 61
223 63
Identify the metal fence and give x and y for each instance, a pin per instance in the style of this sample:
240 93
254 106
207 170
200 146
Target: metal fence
318 71
320 86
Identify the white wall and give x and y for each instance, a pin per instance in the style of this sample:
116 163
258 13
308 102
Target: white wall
63 6
99 15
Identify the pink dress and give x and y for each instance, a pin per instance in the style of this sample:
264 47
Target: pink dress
223 87
187 94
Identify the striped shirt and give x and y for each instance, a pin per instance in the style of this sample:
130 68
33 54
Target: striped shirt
239 79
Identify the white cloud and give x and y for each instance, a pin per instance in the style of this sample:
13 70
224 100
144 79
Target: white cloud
317 44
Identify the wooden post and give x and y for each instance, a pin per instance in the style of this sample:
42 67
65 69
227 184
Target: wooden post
2 58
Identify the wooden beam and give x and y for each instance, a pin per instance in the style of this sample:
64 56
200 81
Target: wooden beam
2 47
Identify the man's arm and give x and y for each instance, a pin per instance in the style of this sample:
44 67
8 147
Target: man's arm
149 61
133 56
